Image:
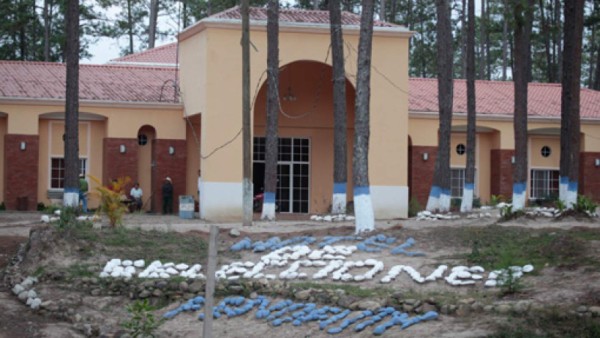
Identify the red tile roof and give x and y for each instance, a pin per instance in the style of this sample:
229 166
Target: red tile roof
45 80
496 98
164 56
290 15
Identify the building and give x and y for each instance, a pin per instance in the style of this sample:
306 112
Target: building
176 109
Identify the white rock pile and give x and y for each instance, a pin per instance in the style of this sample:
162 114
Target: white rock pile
429 216
332 218
543 212
127 269
504 276
56 217
25 292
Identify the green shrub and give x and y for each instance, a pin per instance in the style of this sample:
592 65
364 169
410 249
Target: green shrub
142 322
585 205
111 199
414 207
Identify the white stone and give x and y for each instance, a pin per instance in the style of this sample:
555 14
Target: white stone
127 262
181 266
139 263
528 268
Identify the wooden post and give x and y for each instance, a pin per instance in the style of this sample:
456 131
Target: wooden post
210 282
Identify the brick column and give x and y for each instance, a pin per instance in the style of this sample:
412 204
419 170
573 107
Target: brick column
117 164
501 172
21 171
171 165
422 172
589 175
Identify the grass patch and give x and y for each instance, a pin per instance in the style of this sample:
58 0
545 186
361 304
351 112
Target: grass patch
124 243
351 290
550 323
79 270
496 246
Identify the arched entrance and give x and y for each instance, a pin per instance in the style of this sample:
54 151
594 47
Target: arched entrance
146 134
305 165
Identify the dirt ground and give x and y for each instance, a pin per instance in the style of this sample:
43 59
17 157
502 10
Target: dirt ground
567 287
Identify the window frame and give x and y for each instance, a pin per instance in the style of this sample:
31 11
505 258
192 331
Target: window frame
83 163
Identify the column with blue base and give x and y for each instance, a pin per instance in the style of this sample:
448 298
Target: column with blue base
268 211
71 197
518 201
363 210
445 199
433 201
467 198
572 194
338 204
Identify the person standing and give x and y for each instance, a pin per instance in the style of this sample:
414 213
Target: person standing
167 195
136 194
83 191
199 185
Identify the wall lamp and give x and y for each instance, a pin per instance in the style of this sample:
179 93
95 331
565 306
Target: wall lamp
425 156
597 162
171 150
23 145
512 159
122 149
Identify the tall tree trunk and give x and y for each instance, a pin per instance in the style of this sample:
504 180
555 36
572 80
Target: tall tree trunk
363 207
596 84
246 116
464 39
488 55
523 12
558 41
152 24
482 48
570 119
130 25
71 183
272 139
338 205
468 189
315 4
439 197
550 71
505 40
47 15
382 11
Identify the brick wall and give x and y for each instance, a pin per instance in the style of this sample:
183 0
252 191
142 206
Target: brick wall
589 175
21 170
421 173
501 172
173 166
117 164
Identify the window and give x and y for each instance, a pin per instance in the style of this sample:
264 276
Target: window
546 151
142 139
57 171
460 149
544 183
457 181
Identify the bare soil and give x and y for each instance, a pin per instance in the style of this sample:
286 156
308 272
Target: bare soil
562 286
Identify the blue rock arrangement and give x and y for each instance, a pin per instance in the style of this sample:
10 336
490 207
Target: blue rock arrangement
271 244
329 240
287 311
401 249
375 243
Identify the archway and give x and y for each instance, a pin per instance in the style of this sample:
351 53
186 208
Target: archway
146 134
306 122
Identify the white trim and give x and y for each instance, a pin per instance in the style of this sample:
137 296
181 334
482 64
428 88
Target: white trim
389 201
364 213
92 103
225 202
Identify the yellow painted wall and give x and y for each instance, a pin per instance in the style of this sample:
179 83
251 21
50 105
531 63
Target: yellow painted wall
193 155
122 121
456 160
536 160
221 111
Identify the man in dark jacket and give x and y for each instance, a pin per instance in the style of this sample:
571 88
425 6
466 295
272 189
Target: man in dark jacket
167 195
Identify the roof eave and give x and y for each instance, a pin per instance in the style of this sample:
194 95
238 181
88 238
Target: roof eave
92 103
288 27
496 117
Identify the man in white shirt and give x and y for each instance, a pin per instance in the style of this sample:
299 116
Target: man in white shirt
136 194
